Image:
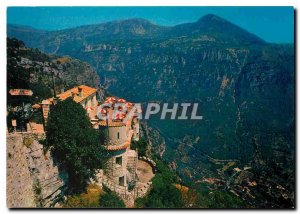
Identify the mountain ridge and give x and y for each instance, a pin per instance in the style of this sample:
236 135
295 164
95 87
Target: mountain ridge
137 28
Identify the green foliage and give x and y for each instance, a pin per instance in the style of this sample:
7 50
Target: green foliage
27 141
110 200
140 145
31 69
218 199
140 203
163 193
74 143
41 90
38 192
88 199
17 76
38 188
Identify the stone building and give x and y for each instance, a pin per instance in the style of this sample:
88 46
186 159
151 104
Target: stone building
121 165
123 173
118 132
82 94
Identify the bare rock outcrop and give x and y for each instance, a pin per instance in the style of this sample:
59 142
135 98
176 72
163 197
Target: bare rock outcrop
19 184
33 179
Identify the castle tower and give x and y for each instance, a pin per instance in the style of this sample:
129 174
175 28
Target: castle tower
117 134
117 143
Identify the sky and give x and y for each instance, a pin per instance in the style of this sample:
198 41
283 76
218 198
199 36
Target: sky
273 24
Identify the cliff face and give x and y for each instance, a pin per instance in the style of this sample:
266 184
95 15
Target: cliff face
19 183
30 69
33 180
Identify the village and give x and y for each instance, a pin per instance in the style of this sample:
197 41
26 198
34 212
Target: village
125 173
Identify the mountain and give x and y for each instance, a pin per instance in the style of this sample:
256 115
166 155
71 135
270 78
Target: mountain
217 29
245 87
209 27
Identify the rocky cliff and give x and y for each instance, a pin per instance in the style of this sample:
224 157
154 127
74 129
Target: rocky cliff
31 69
33 180
19 183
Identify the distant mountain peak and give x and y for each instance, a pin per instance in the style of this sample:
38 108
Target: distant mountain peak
211 17
226 30
135 20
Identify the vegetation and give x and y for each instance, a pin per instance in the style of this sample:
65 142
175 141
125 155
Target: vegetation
163 193
140 145
31 69
38 194
110 200
94 197
217 199
74 143
27 141
167 193
88 199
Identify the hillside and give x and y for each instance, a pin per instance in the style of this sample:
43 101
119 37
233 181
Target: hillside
244 85
31 69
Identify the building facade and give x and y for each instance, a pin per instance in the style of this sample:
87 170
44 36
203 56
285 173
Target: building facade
121 165
118 133
82 94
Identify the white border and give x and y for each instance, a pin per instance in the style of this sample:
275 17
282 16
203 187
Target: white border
5 3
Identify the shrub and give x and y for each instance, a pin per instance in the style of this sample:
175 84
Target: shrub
89 199
27 141
111 200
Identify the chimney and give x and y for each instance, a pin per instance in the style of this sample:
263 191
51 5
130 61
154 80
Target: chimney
73 94
80 91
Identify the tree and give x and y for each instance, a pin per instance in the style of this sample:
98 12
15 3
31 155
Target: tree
74 143
110 200
163 194
140 145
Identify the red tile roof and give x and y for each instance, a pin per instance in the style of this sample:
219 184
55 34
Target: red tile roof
85 93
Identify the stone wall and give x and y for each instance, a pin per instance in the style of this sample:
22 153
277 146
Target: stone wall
127 196
114 133
132 158
114 170
39 181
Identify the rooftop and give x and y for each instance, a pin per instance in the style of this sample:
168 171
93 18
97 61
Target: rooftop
86 91
120 117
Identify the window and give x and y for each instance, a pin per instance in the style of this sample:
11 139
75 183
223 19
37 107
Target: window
121 181
119 160
118 135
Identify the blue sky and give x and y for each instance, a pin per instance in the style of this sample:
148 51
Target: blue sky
273 24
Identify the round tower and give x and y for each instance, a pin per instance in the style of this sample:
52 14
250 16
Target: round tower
118 129
117 143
